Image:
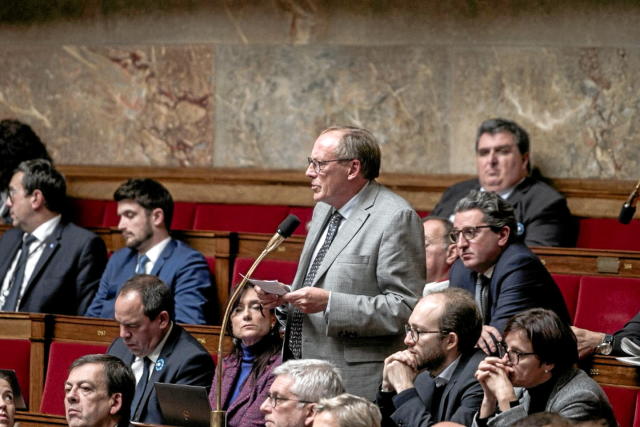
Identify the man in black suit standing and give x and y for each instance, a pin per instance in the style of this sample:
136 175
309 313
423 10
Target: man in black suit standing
504 166
503 274
157 349
441 335
47 265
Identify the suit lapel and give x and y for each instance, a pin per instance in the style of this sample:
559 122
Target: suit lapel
164 256
51 245
349 229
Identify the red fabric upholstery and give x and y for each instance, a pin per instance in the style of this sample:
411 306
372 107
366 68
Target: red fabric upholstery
608 233
61 355
623 402
423 214
636 418
269 269
16 355
239 218
211 262
605 304
305 214
183 215
569 285
111 218
87 212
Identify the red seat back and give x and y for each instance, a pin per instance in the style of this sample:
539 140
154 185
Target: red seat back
608 233
239 218
61 355
569 285
605 304
269 269
111 218
87 212
623 402
183 215
16 355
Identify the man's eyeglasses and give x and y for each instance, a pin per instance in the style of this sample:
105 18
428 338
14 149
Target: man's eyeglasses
318 165
274 399
469 233
415 333
514 356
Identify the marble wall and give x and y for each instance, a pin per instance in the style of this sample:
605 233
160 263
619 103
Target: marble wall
251 83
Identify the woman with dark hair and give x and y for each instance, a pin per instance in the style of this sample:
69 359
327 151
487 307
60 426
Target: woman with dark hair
7 403
247 370
540 356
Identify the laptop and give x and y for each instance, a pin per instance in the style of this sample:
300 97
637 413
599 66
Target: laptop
13 382
184 405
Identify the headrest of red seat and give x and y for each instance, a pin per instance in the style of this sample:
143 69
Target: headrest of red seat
16 355
608 233
569 285
61 355
239 218
623 402
87 212
605 304
183 215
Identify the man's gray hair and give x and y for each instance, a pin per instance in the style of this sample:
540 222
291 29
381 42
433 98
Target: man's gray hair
497 212
351 411
359 143
313 379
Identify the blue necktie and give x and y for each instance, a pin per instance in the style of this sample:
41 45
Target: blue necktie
11 302
142 262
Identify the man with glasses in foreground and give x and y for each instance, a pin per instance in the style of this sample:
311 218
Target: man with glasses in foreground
433 379
503 274
298 387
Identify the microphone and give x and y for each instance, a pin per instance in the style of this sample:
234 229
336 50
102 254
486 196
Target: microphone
629 207
218 417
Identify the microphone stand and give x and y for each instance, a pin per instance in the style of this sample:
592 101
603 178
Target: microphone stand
218 415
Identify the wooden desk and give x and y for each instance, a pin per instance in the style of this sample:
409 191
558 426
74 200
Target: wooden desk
32 327
607 370
592 262
30 419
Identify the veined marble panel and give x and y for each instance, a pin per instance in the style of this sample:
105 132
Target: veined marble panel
272 102
579 105
119 105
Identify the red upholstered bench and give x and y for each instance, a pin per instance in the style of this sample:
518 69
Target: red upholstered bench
239 218
61 355
569 285
608 233
605 304
111 218
16 354
269 269
87 212
623 401
183 215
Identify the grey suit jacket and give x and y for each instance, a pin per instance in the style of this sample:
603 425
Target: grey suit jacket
374 269
575 396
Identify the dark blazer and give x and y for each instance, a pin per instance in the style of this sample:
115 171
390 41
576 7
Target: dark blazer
538 207
631 330
461 398
183 269
245 410
375 271
519 282
185 362
66 276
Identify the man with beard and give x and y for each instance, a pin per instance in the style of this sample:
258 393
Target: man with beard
433 379
145 208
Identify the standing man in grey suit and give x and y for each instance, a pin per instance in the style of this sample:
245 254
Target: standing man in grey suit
361 267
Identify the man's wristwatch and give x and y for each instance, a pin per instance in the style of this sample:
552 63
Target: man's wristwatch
605 346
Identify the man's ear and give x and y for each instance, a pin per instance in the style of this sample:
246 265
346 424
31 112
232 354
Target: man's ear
115 401
451 340
164 319
452 254
309 414
37 200
503 236
157 217
525 163
354 169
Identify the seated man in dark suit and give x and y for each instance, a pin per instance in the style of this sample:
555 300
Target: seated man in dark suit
157 349
503 274
590 342
98 392
433 379
504 166
145 208
47 265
